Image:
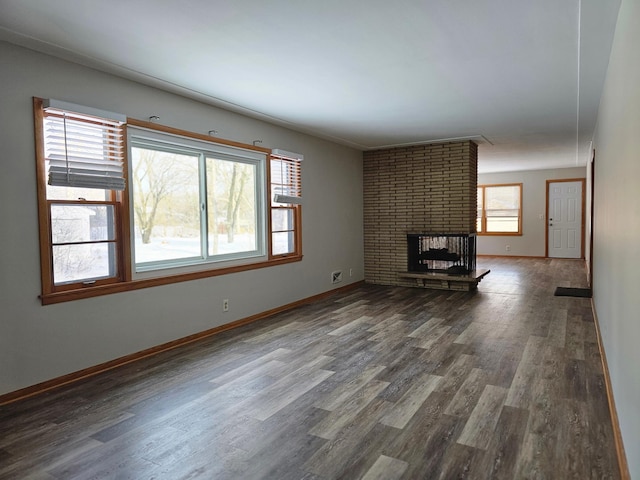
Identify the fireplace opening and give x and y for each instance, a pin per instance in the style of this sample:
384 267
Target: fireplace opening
451 253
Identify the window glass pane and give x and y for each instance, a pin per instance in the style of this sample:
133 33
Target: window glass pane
77 263
74 193
285 179
282 219
479 211
502 208
502 224
81 223
507 197
282 242
166 205
231 206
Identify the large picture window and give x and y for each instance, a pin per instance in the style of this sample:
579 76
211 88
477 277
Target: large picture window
125 204
194 203
499 209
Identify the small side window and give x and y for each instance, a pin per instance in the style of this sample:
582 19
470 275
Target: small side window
81 173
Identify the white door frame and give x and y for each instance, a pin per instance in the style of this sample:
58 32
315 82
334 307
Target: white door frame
546 227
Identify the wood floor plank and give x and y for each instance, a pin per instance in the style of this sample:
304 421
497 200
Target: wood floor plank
347 389
336 454
467 395
386 468
411 401
423 330
471 332
424 442
457 373
25 464
250 366
352 325
392 333
434 338
258 437
480 426
506 443
273 333
543 411
558 328
520 393
575 337
386 322
350 306
462 461
117 457
347 411
537 458
283 392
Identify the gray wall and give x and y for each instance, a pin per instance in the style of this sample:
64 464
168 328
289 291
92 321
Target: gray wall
39 343
532 242
616 253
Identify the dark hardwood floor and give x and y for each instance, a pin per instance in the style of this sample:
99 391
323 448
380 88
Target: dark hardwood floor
376 383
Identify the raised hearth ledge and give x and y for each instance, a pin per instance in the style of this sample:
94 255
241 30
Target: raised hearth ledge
444 281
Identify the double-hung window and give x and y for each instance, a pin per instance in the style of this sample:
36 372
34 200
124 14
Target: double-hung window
194 202
499 209
82 158
286 193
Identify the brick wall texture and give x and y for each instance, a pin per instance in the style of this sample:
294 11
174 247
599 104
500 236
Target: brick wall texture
415 189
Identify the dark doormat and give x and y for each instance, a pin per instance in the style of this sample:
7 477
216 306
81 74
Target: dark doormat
573 292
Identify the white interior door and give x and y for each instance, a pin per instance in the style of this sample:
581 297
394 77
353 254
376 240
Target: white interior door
565 219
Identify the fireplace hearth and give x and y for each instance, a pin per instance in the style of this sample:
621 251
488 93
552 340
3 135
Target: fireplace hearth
450 253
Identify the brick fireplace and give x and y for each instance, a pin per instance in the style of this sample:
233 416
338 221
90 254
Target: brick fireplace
415 189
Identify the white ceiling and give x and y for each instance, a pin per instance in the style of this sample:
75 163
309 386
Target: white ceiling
522 77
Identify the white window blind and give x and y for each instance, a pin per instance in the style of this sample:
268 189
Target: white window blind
286 177
83 150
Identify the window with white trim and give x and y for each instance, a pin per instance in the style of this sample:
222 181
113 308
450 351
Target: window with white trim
194 202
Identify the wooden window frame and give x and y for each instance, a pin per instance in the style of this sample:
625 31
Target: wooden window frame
296 209
483 218
52 294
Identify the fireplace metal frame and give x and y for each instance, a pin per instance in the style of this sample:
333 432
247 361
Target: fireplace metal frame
451 253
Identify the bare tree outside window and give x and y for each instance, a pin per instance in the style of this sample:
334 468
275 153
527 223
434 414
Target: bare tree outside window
231 201
162 177
184 202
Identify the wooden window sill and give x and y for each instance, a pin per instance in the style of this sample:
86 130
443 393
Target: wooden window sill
96 291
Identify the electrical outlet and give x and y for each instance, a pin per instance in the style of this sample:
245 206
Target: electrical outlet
351 272
508 247
336 277
225 305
